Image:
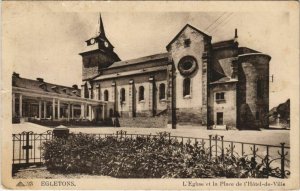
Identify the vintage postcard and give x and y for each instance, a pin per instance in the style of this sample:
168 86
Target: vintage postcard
150 95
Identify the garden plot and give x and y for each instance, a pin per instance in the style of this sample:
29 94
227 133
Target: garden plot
154 156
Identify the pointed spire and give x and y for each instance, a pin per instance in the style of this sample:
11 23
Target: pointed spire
101 29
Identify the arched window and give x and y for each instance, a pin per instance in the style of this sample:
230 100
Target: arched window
141 93
186 87
162 91
106 95
122 95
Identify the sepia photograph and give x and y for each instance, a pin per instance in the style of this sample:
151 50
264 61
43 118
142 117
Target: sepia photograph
186 95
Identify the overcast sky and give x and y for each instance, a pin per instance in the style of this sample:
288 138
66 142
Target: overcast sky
46 44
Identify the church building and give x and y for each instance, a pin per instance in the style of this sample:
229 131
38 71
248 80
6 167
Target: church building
193 83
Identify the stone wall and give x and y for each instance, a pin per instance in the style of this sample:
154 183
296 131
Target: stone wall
93 61
178 51
190 109
88 72
189 116
144 122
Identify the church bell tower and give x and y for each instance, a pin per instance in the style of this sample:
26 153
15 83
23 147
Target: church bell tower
100 55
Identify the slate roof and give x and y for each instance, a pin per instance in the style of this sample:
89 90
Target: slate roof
131 72
224 80
139 60
40 85
246 50
223 44
225 64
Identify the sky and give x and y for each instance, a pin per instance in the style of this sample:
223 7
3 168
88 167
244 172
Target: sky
47 44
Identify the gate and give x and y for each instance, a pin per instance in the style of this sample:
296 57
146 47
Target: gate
27 148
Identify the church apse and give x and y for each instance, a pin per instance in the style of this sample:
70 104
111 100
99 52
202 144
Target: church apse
253 92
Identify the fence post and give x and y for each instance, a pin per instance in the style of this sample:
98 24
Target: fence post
216 144
231 149
222 141
27 147
13 148
61 132
267 162
242 149
210 146
254 151
282 160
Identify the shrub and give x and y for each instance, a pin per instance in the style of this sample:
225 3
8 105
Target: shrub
142 157
71 122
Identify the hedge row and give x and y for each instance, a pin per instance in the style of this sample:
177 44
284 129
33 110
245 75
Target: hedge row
72 122
142 157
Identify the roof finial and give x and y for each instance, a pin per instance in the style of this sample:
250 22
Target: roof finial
101 29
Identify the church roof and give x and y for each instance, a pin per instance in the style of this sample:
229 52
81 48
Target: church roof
246 50
187 25
224 80
139 60
131 72
224 44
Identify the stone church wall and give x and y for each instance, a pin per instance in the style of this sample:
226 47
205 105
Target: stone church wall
142 108
142 122
90 67
189 109
189 116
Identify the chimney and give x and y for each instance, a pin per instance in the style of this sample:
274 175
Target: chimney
235 34
40 79
17 75
75 87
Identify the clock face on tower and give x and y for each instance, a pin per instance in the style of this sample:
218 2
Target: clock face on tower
93 41
106 44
